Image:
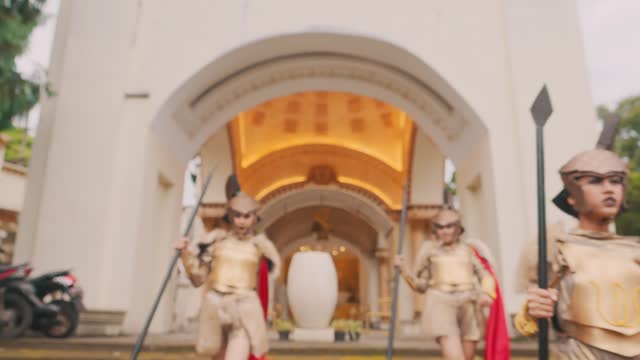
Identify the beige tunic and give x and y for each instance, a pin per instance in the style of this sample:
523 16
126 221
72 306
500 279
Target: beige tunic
451 277
228 311
599 293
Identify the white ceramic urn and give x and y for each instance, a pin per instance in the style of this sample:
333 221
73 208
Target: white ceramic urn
312 289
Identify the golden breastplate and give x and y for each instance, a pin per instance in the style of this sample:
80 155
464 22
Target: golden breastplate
234 266
605 297
452 271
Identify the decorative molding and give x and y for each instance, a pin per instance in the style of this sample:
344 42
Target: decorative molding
345 162
416 212
322 174
332 196
423 211
278 70
298 225
343 187
212 210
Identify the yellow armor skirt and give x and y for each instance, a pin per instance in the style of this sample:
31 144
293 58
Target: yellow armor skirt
453 314
224 316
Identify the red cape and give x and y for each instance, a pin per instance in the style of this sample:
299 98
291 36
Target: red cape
263 294
496 334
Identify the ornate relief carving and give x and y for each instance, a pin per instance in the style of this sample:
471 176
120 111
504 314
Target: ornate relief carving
387 119
322 109
322 175
386 184
354 104
293 107
321 127
290 125
357 124
258 118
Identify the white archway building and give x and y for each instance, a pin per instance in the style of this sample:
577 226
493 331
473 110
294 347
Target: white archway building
143 86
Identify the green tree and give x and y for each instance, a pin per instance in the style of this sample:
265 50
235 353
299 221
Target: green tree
17 95
629 222
628 147
18 148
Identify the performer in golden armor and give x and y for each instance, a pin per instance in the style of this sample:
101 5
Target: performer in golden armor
594 293
457 286
232 324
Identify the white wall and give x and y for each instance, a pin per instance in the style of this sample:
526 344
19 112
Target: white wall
216 152
427 173
90 77
13 181
543 52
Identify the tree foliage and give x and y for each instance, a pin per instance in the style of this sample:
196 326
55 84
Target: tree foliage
18 18
18 148
628 147
629 222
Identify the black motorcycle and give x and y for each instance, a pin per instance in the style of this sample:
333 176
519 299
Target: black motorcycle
58 289
17 297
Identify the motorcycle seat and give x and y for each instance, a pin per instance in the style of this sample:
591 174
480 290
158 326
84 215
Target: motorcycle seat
49 276
5 267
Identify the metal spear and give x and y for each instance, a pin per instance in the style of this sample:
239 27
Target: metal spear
396 277
167 277
541 110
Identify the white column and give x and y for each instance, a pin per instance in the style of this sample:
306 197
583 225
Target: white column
66 219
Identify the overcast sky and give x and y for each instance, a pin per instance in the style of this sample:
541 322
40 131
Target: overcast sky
611 33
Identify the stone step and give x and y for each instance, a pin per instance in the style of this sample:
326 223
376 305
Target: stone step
61 354
372 345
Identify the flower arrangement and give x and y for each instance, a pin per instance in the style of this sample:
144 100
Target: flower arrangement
346 329
283 327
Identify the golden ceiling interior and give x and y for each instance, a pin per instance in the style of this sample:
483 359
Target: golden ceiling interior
323 137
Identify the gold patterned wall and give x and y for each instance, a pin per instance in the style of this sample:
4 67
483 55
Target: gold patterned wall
351 139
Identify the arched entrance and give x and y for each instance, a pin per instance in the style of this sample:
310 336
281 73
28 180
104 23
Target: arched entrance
283 65
335 150
111 162
242 80
356 226
349 239
299 85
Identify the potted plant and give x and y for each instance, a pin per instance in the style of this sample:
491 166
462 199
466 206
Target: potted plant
340 328
355 329
283 327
